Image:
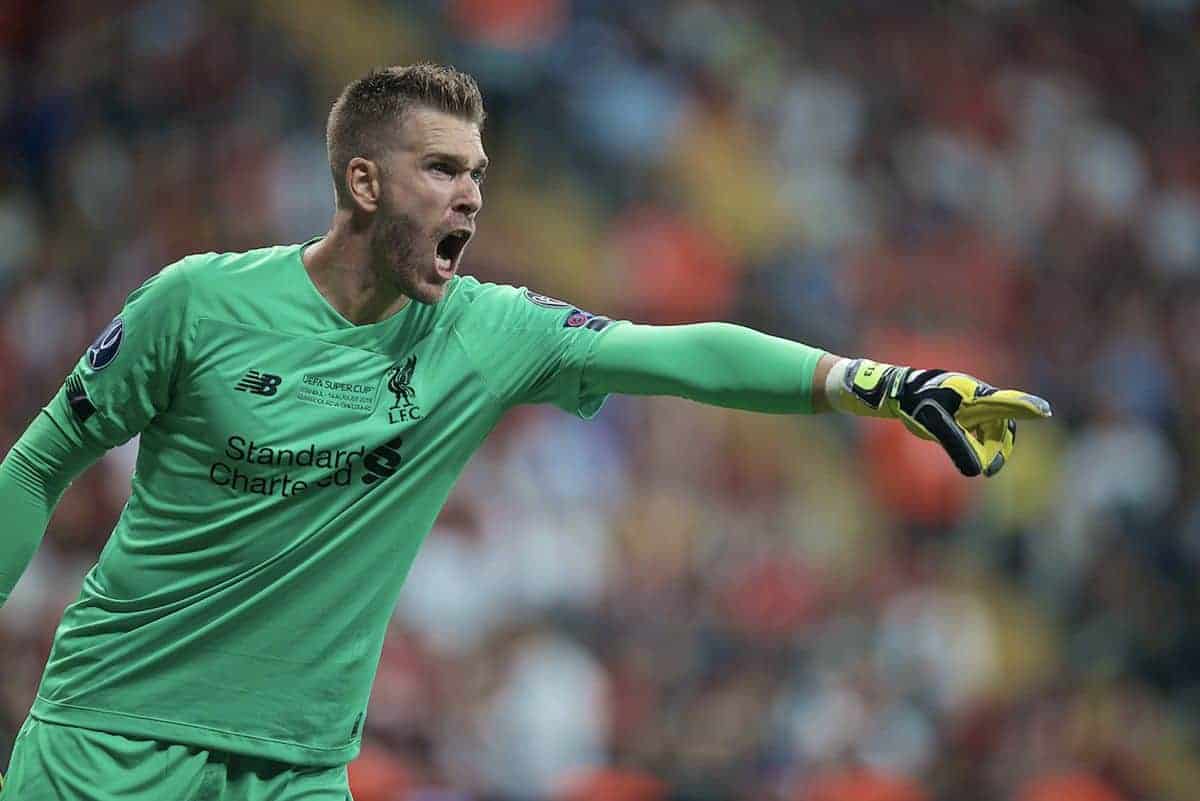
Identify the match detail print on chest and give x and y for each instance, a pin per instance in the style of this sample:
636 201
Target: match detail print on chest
268 375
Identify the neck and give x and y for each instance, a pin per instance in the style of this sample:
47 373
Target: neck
340 268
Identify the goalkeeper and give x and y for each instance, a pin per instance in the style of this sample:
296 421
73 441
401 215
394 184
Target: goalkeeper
304 411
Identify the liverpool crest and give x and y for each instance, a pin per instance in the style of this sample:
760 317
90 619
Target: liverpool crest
404 409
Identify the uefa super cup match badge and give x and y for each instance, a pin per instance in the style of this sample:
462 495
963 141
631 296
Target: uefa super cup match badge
404 408
104 347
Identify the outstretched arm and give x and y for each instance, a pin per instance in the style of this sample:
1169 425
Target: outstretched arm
736 367
714 363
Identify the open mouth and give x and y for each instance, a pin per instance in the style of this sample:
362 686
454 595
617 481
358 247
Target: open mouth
449 248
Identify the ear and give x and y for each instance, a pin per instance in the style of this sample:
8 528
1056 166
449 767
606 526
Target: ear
363 183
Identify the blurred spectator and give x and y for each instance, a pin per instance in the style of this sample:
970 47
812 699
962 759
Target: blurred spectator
860 784
378 776
612 785
1068 787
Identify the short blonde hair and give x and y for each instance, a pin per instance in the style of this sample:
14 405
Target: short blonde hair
367 111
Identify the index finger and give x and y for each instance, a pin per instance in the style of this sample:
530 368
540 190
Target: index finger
1003 404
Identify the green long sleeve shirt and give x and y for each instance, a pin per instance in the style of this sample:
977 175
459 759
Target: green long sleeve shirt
290 464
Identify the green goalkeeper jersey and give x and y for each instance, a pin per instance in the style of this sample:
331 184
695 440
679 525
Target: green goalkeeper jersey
290 464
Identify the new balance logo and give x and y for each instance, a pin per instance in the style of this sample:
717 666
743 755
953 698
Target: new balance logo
259 383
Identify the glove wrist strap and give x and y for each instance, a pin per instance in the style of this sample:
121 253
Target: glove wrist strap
864 387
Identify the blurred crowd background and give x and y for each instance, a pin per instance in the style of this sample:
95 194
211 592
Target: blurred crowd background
675 602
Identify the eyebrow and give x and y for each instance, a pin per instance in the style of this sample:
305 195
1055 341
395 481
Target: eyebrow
458 161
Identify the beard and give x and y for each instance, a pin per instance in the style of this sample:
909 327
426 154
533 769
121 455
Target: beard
403 257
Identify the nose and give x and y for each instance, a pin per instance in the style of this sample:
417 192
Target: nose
470 198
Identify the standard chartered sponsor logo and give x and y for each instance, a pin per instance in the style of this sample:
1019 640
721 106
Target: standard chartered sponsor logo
239 467
334 467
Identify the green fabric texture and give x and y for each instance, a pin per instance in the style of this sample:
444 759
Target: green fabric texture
290 464
65 763
715 363
33 476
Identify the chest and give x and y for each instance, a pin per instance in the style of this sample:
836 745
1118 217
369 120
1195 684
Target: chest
260 401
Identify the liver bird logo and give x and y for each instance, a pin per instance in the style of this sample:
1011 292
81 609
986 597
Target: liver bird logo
400 382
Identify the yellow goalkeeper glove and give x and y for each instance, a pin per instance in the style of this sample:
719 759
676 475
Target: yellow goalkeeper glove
972 420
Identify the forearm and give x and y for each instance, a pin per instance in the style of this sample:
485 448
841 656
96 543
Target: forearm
33 476
715 363
727 365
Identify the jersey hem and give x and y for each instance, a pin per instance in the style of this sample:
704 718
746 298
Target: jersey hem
205 737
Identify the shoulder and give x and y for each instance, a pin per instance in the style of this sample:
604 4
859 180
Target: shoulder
472 294
224 270
208 281
484 305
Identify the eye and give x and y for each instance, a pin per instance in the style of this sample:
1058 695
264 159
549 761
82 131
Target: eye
477 176
443 168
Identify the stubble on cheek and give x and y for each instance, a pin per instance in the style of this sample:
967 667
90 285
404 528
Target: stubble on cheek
394 251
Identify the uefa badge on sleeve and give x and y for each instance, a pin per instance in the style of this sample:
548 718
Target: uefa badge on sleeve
104 348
